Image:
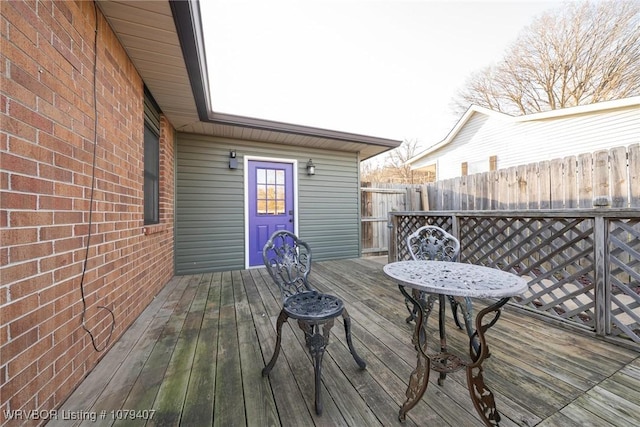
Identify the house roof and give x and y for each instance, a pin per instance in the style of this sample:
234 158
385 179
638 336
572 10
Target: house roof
547 115
165 43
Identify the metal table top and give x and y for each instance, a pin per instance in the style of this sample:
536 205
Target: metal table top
456 278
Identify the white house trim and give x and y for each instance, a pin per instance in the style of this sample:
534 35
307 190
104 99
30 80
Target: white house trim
247 159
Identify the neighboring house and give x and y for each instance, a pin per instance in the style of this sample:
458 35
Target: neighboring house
116 175
485 140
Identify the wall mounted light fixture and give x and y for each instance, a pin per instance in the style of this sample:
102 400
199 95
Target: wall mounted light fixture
233 162
311 168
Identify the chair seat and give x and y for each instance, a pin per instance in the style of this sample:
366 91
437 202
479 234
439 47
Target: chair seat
313 306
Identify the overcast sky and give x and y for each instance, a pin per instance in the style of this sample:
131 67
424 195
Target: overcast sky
386 68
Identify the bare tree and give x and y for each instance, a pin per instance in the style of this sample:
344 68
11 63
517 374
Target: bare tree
397 159
394 169
581 53
370 171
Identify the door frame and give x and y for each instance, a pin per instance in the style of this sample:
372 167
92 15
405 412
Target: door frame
246 160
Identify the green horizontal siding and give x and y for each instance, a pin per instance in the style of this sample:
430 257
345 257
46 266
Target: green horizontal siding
210 202
329 208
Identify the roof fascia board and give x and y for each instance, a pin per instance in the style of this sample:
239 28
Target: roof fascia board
581 109
188 22
473 109
186 16
262 124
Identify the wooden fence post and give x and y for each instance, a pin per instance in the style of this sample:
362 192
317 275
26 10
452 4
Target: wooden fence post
424 197
602 293
633 160
392 253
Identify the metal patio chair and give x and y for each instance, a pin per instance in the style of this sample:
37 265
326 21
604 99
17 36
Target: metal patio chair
433 243
288 260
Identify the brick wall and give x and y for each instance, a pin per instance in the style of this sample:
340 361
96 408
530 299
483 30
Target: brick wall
47 147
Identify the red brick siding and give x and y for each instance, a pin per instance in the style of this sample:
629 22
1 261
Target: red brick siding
47 145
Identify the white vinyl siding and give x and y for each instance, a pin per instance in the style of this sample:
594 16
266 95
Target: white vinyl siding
519 142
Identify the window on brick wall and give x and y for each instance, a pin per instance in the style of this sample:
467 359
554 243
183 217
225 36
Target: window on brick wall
151 176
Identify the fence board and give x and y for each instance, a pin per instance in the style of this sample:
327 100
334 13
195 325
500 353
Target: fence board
464 193
512 186
492 178
521 200
471 185
601 176
557 183
544 185
618 177
457 196
633 163
585 181
533 181
434 202
570 182
482 191
502 191
424 197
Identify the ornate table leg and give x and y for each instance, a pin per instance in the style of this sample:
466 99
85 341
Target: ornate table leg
443 334
317 343
481 396
419 378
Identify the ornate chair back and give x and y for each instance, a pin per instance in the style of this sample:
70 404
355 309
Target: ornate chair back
433 243
288 260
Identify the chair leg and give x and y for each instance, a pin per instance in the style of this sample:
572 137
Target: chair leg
317 343
276 351
347 330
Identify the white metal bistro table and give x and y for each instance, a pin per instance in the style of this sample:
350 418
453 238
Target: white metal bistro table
461 280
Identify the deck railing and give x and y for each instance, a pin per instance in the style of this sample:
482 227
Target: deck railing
583 266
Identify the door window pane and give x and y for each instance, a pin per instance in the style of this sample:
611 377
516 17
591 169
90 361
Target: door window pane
270 186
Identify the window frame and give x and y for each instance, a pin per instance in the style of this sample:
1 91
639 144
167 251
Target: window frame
151 181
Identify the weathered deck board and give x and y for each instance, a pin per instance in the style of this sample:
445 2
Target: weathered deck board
195 356
198 405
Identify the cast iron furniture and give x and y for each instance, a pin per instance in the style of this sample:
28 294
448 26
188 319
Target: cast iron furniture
457 279
433 243
288 260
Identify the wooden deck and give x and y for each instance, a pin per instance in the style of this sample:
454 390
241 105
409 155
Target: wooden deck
194 358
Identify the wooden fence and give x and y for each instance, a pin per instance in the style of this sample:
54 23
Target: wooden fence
607 178
376 203
603 178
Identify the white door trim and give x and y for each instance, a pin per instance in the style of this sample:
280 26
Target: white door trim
246 160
